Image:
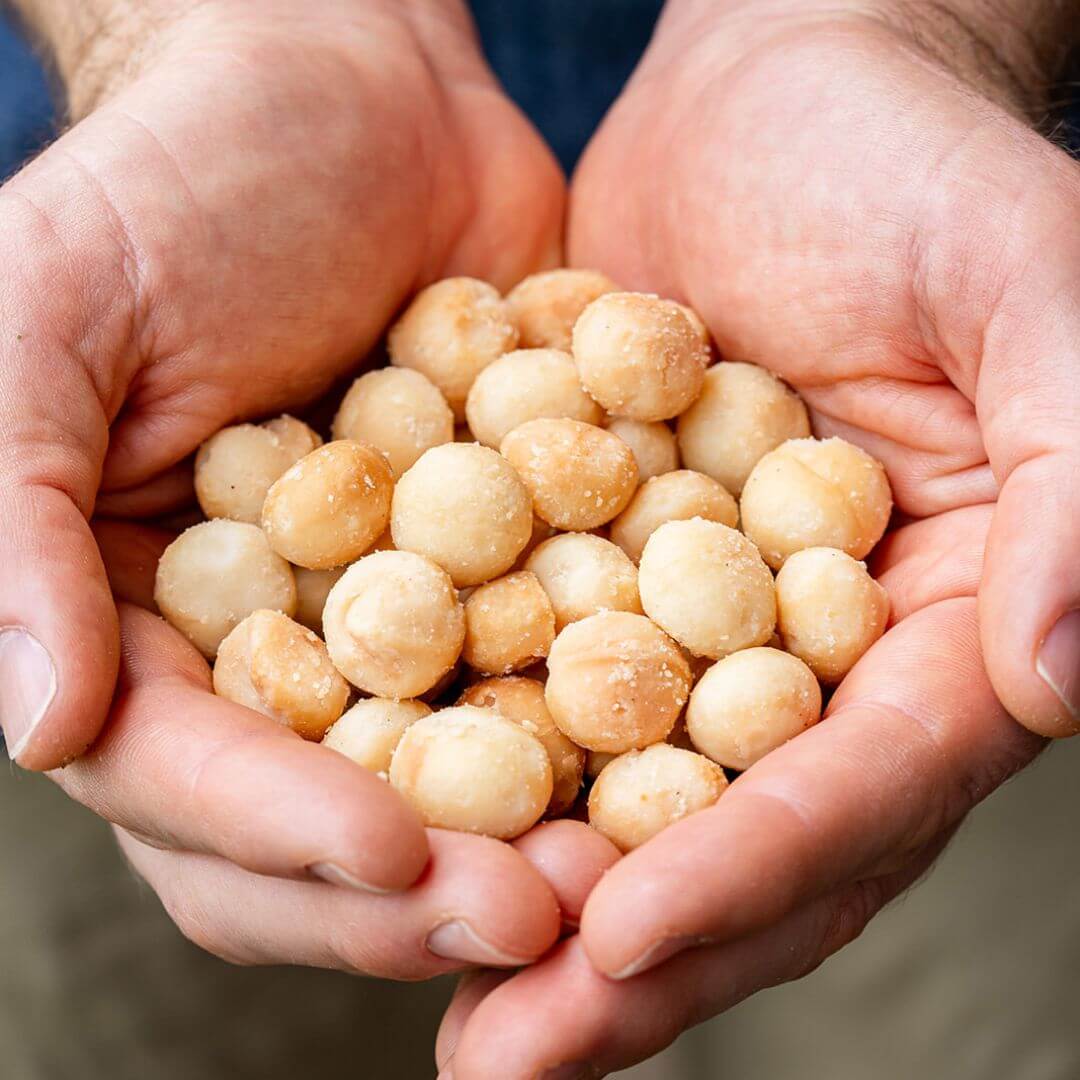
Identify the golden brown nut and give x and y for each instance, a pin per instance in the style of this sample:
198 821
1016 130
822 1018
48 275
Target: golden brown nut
547 305
509 624
651 442
369 732
312 589
596 761
214 575
579 476
281 669
698 323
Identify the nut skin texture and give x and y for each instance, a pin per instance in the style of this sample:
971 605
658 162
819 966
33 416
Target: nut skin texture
281 669
743 412
639 356
583 574
643 792
522 700
214 575
546 305
312 589
749 703
616 682
830 610
463 506
235 468
368 733
675 496
509 624
811 493
331 506
394 625
652 443
397 410
707 586
527 384
450 332
579 476
472 770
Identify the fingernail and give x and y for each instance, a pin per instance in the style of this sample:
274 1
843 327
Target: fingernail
27 686
1058 663
457 940
574 1071
333 874
657 953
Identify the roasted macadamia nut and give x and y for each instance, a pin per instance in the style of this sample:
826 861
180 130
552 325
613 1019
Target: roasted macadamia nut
830 610
616 682
369 732
547 305
596 761
527 384
451 332
214 575
393 624
473 770
642 792
583 574
639 356
509 624
281 669
579 476
522 701
675 496
312 589
397 410
331 506
463 506
807 493
698 323
743 412
235 468
651 442
749 703
706 585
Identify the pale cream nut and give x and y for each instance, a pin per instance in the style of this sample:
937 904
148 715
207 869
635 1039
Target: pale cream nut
546 305
652 443
368 733
509 624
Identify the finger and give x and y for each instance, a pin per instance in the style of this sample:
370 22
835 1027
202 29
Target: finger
914 738
479 903
190 770
168 492
471 990
131 553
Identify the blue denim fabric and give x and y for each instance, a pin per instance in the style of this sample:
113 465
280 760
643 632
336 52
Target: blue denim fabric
26 115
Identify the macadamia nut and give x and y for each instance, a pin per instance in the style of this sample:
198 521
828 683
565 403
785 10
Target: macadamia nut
810 493
312 589
749 703
281 669
397 410
473 770
214 575
830 610
642 792
509 624
464 507
393 624
639 356
675 496
707 586
369 732
547 305
651 442
616 682
579 476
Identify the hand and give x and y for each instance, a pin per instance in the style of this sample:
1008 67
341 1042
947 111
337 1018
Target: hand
847 202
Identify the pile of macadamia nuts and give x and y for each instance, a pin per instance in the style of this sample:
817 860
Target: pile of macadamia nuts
551 544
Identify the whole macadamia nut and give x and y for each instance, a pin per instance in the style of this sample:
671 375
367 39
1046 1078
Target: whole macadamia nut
583 574
281 669
675 496
547 305
830 610
749 703
651 442
509 624
312 589
331 506
473 770
639 356
743 412
527 384
522 701
393 624
450 332
235 468
368 733
463 506
214 575
810 493
616 682
397 410
643 792
579 476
